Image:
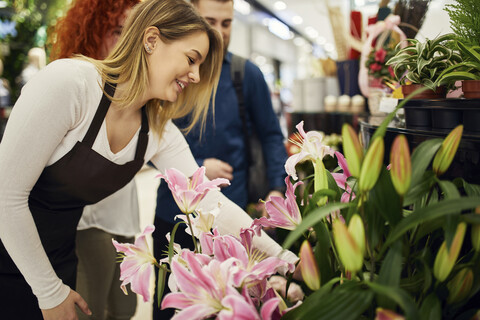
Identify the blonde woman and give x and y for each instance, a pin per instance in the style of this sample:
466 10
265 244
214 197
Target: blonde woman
73 139
97 25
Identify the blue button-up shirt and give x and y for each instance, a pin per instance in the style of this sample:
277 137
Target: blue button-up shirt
224 139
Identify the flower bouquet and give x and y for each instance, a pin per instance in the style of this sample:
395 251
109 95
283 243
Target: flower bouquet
378 71
379 241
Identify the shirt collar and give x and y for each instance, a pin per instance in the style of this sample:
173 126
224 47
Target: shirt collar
228 57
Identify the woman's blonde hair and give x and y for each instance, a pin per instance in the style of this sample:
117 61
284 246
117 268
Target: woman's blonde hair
127 63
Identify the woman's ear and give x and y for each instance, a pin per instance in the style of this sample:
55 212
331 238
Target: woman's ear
151 38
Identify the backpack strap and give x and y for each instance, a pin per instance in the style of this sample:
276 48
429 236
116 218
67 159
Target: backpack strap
237 69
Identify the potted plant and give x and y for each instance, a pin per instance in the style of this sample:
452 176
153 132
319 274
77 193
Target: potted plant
421 64
465 21
374 241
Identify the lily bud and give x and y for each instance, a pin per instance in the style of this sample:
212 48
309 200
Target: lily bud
476 233
372 165
446 153
446 259
308 266
352 149
459 287
349 252
357 231
401 165
384 314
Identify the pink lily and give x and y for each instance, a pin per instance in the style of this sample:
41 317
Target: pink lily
137 265
311 147
189 192
252 265
341 178
283 213
205 290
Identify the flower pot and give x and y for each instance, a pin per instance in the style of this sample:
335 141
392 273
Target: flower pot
471 89
439 93
417 115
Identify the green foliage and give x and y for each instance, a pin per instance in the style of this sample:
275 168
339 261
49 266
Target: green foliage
403 235
465 20
31 18
424 62
468 69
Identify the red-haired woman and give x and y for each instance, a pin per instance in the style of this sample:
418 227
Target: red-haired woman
92 28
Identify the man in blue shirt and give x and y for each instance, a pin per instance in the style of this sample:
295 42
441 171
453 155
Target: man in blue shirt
221 148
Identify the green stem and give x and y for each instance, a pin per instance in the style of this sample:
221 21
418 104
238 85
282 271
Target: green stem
193 234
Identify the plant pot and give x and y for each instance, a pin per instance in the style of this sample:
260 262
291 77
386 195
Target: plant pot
417 115
439 93
471 89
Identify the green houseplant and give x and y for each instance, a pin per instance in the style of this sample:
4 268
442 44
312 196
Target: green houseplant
422 63
468 70
465 22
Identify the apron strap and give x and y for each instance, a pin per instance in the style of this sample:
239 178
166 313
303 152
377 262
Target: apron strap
100 114
142 137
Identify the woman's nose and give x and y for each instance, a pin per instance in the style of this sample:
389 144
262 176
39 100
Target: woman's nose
194 76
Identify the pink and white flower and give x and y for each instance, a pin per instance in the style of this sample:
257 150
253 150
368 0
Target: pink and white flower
283 213
188 193
205 290
311 147
137 265
341 178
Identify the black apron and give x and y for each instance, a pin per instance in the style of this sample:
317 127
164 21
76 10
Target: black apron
79 178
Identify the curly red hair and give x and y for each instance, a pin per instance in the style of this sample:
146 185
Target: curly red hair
85 24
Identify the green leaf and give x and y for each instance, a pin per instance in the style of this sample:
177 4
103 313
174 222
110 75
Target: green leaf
321 252
450 192
162 276
418 191
422 157
399 296
172 239
311 219
390 273
344 302
434 211
470 52
386 198
431 308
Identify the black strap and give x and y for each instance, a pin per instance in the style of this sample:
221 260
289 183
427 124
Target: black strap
237 71
142 137
100 114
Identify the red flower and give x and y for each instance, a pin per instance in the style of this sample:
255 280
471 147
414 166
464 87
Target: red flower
380 55
375 67
390 70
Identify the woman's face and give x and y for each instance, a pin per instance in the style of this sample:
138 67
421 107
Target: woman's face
173 66
110 39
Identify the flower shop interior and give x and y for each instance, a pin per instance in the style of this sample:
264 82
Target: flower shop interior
356 72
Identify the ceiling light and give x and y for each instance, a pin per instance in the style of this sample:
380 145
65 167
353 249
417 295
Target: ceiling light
311 32
359 3
280 5
242 6
298 41
297 20
321 40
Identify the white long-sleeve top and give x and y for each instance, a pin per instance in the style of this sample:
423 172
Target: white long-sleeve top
53 112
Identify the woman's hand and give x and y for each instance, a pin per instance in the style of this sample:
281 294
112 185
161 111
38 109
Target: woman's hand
215 168
66 310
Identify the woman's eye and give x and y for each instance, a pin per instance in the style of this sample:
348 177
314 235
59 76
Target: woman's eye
191 60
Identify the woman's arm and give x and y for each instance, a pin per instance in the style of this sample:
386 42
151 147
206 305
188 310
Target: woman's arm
43 114
175 153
